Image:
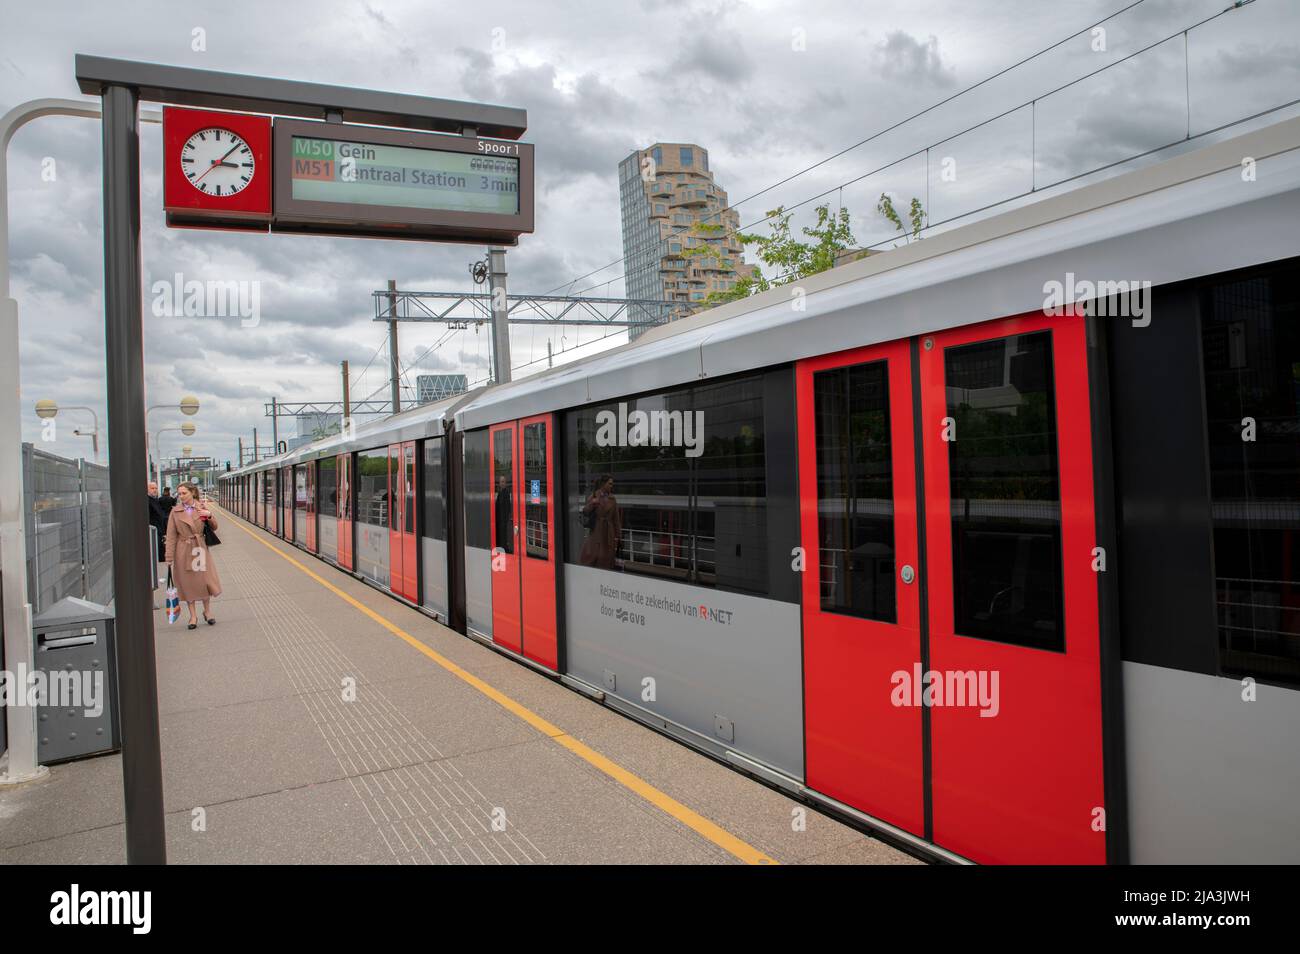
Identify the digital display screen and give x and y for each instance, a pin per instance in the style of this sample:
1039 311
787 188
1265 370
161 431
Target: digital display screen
329 170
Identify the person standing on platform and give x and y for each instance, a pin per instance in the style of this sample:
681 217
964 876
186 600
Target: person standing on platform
158 519
194 572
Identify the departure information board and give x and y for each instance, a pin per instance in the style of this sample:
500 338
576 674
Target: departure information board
335 178
327 170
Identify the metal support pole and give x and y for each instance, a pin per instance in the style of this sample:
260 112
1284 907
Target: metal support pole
241 452
254 445
393 369
500 315
275 425
347 398
124 338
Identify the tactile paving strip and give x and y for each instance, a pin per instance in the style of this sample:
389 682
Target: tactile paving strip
425 809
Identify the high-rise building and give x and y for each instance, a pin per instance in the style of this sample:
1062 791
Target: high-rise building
664 190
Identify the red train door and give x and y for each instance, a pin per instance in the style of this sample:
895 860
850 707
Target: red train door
344 524
860 589
402 541
273 503
311 506
523 539
536 507
1013 623
287 493
507 622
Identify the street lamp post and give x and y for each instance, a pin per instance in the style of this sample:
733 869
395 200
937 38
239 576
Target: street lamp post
187 429
47 409
189 406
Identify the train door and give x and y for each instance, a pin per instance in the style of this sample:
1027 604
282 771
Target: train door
507 622
523 560
402 538
311 506
537 563
344 525
272 501
862 608
1013 619
286 502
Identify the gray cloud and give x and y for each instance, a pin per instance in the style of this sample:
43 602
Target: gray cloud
906 59
597 81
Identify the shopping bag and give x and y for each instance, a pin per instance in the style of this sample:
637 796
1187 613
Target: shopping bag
173 602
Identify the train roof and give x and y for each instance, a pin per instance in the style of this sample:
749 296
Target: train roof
1189 215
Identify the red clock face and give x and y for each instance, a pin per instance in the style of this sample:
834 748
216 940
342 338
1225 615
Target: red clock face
216 168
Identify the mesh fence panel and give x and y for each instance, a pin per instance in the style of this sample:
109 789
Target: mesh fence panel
99 533
69 538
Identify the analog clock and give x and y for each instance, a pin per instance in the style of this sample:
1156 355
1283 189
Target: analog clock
216 169
217 162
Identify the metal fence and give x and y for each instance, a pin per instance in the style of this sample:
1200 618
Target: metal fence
69 532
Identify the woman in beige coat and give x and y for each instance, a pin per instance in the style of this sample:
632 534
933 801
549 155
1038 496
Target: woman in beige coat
194 573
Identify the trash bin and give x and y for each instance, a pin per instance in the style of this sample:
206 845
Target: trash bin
75 668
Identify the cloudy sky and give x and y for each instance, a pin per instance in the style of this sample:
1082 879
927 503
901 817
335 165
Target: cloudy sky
768 88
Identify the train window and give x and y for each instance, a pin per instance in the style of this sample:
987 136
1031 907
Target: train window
300 487
1250 332
642 523
477 487
408 488
503 508
435 520
731 486
537 532
372 487
689 485
1003 476
345 487
855 491
327 479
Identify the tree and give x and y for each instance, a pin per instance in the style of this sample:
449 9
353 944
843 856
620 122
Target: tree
789 257
915 215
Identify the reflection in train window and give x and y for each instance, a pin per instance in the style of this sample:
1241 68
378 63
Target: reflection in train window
536 525
503 507
372 487
435 518
327 479
690 486
1003 479
1250 333
855 491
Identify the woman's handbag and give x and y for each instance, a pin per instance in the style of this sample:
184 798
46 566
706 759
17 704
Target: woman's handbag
173 603
210 537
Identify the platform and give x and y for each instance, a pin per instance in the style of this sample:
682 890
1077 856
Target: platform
450 753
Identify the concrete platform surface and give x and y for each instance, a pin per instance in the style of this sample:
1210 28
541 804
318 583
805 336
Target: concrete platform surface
320 722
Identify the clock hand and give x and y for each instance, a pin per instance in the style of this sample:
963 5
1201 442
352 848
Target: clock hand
220 162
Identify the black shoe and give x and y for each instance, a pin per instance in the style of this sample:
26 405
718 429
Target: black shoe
191 625
209 621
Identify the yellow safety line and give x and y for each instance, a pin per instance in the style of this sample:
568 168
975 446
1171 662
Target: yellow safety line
691 819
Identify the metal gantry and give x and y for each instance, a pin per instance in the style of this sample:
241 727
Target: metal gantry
463 308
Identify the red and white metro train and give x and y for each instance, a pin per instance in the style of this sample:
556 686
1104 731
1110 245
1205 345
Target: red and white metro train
1002 581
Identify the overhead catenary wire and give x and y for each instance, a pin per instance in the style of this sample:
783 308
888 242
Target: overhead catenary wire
876 135
1007 112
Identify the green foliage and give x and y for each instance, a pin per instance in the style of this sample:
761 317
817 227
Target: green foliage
791 258
915 216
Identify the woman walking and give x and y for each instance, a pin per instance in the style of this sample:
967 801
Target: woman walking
193 571
600 515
